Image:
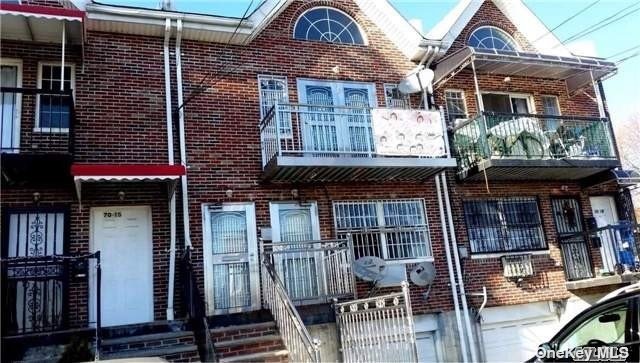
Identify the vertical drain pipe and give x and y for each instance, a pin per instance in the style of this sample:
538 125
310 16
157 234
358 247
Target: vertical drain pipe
463 295
454 288
172 201
183 142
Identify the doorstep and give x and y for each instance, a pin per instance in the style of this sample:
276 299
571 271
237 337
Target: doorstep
625 278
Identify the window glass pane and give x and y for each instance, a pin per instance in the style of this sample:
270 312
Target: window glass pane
607 327
491 38
455 105
229 232
496 103
327 25
550 105
394 98
520 105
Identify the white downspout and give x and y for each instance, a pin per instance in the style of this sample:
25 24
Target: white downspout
463 295
172 201
183 142
64 42
454 289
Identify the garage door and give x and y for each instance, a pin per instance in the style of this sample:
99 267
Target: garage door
426 345
518 340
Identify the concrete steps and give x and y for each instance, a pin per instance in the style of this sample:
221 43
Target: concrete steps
260 342
179 346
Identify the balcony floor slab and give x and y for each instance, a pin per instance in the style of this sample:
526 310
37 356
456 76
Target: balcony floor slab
547 169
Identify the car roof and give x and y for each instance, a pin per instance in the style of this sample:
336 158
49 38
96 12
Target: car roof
631 289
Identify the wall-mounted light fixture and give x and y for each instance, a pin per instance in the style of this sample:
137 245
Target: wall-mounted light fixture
229 193
121 195
36 197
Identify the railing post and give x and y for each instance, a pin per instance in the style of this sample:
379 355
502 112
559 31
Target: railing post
352 257
277 109
445 132
98 305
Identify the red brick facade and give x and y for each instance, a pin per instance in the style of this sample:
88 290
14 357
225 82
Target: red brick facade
121 118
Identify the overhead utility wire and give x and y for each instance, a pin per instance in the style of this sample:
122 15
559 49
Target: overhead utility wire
601 24
567 20
623 51
199 88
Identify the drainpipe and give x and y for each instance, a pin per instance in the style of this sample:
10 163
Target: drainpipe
463 296
452 281
172 201
183 143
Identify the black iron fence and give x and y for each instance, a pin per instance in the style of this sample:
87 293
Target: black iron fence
36 120
35 293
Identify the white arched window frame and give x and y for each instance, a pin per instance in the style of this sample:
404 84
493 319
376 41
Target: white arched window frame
491 37
327 24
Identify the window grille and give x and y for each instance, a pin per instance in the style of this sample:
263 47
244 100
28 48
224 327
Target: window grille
274 89
504 225
394 98
489 37
328 25
456 106
390 229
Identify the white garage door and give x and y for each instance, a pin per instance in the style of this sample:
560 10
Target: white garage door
426 345
518 340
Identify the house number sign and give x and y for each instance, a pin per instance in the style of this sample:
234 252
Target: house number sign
116 214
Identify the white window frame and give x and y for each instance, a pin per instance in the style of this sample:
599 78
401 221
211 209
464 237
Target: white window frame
464 102
18 109
380 217
530 102
287 133
516 45
557 99
363 34
52 130
387 99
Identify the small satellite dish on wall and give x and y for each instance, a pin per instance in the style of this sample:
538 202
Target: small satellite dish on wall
423 274
416 81
370 268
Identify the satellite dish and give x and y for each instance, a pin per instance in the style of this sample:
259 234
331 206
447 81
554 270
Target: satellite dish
423 274
370 268
416 81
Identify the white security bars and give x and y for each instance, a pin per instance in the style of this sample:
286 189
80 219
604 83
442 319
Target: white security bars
377 329
292 330
313 271
392 229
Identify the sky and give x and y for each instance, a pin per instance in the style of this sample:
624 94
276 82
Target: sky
622 90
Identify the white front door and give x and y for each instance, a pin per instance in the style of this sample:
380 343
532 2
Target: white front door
124 238
336 116
10 76
605 213
232 282
300 272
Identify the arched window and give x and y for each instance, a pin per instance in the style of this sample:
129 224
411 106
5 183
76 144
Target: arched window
327 25
489 37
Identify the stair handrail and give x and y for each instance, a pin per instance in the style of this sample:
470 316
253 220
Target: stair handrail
194 304
295 336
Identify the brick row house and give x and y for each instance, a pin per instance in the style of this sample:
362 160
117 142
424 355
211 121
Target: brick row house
314 181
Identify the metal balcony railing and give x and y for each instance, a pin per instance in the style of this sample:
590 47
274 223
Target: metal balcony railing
304 130
618 244
36 121
313 271
532 137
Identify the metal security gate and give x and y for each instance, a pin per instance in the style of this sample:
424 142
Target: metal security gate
34 281
575 253
377 329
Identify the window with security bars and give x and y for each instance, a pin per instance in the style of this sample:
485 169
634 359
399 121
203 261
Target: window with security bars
456 106
389 229
504 225
274 89
394 98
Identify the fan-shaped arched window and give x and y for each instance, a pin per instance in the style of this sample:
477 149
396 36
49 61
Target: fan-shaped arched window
492 38
327 25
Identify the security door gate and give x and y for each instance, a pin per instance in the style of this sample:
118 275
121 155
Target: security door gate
575 253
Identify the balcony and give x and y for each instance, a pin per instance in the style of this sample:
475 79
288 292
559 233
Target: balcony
36 134
321 143
533 147
618 246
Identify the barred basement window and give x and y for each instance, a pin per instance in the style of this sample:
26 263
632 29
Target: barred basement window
394 229
504 225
